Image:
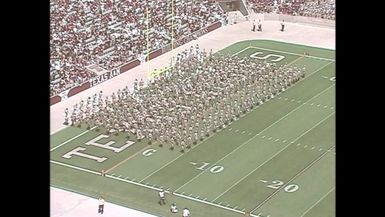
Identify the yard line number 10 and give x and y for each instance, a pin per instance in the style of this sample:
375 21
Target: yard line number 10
214 169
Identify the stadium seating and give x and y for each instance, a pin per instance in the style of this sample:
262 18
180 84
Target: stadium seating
311 8
110 33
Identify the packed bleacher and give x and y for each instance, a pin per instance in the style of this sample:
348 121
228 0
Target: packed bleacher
311 8
109 33
201 94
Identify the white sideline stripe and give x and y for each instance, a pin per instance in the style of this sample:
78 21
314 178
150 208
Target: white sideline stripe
314 57
75 167
208 203
274 156
61 128
302 171
255 136
318 201
107 175
69 140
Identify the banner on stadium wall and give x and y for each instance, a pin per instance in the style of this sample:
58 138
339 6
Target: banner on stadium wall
104 77
64 95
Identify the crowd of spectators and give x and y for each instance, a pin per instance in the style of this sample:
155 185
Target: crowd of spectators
109 33
198 96
311 8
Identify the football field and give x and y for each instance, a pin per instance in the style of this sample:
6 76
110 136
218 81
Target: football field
277 160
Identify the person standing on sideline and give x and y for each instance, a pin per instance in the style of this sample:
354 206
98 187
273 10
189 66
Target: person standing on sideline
282 25
259 26
253 26
185 212
101 205
162 197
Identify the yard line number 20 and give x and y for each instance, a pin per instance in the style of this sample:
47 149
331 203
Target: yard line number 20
276 184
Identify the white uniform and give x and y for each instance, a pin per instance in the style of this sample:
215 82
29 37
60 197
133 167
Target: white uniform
186 213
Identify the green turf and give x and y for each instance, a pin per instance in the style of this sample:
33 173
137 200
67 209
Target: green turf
285 140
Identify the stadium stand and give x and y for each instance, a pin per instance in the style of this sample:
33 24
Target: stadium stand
110 33
311 8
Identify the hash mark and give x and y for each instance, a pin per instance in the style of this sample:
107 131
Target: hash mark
292 100
250 134
230 129
312 104
320 149
263 137
112 174
119 176
332 107
270 138
276 140
312 148
318 105
325 106
193 163
236 130
190 195
298 144
284 141
243 132
299 101
196 197
264 181
205 199
305 146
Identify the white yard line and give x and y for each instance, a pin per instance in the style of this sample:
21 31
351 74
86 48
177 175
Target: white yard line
209 203
178 157
148 186
241 51
285 52
283 186
272 156
130 157
318 201
75 137
75 167
254 137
